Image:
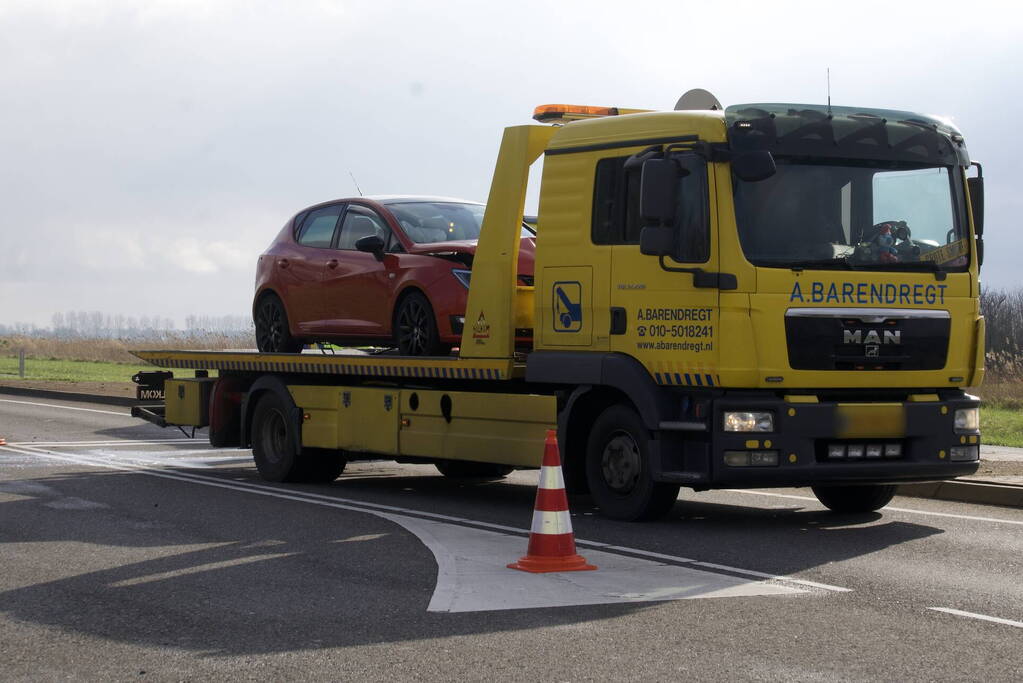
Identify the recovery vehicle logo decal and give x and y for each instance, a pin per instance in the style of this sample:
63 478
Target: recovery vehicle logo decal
568 306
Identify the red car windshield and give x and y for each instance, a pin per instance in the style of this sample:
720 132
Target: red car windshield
428 222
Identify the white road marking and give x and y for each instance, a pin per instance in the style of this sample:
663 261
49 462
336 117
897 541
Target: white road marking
210 566
472 576
105 442
471 579
711 565
982 617
53 405
927 513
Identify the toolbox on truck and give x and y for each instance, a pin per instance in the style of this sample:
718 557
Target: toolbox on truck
187 401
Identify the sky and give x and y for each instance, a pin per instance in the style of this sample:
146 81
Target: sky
150 150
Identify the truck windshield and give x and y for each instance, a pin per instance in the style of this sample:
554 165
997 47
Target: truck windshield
854 214
428 222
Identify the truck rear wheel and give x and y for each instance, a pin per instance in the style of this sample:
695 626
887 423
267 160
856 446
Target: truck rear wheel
274 448
852 498
618 468
273 444
460 469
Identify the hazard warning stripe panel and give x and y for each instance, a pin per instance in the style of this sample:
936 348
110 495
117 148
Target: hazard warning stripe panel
687 379
375 366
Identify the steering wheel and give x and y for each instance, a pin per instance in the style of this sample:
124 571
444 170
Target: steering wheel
899 229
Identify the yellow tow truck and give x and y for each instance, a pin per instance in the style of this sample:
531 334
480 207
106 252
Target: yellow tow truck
764 295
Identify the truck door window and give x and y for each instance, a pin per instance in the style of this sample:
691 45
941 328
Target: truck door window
317 229
692 221
616 217
615 204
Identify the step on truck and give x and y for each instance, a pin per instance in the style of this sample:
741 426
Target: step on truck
766 295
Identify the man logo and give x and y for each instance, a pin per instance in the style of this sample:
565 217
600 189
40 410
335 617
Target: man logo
872 337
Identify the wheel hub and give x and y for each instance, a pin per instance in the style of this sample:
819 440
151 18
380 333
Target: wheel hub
620 463
275 436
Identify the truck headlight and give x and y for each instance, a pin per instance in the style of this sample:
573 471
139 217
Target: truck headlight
736 421
967 420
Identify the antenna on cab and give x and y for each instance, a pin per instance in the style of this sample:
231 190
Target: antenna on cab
356 183
829 90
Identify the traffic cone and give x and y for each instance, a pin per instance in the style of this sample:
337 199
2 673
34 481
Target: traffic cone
3 441
551 541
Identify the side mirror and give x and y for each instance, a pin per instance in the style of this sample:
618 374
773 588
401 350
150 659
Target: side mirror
754 166
976 187
657 241
372 244
658 189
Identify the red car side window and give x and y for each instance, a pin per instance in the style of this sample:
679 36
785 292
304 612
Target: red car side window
318 227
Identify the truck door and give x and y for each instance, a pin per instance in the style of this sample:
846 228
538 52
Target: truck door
658 315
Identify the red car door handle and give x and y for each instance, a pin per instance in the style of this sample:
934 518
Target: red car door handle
332 263
283 263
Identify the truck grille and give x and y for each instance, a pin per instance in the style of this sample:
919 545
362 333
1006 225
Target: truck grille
867 339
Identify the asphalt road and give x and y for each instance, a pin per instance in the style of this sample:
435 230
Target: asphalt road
129 552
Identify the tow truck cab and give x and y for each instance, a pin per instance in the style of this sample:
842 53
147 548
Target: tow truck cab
786 294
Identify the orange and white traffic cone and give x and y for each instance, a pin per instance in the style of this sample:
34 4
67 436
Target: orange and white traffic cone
3 441
551 541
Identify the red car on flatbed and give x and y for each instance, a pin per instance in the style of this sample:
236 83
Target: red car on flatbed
380 271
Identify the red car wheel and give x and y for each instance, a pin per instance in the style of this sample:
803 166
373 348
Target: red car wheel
415 328
272 333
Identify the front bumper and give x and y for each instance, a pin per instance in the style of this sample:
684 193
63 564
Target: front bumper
921 429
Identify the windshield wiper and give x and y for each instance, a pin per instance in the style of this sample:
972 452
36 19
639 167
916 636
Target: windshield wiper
837 263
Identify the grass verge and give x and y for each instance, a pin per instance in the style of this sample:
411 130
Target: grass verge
70 370
1001 426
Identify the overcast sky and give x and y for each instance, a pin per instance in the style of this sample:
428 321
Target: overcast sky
149 151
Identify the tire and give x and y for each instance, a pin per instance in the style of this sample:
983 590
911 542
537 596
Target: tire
851 498
272 332
460 469
415 328
273 444
276 455
618 468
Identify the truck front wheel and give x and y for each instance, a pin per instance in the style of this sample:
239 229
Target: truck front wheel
618 468
851 498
